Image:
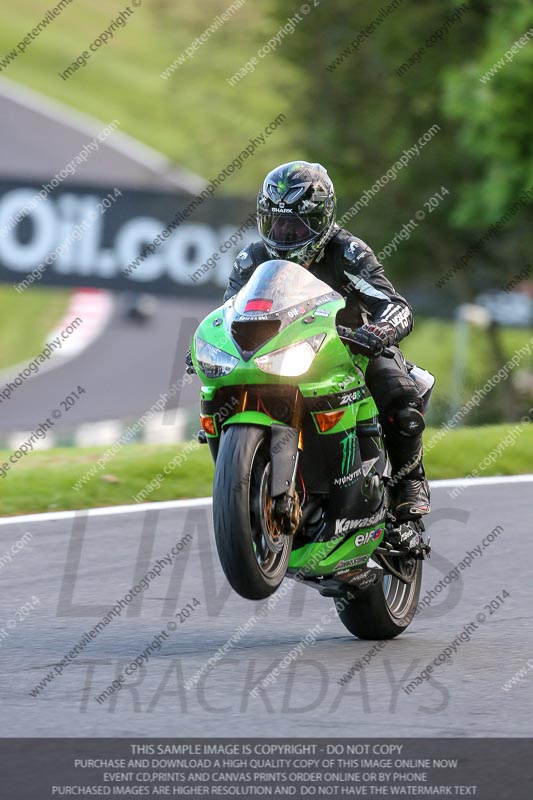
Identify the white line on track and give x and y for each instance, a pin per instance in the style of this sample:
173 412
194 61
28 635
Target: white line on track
108 511
202 502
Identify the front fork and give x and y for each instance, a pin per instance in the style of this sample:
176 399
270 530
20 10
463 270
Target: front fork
285 451
286 446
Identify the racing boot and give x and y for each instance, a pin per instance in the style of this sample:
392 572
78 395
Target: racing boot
411 495
409 488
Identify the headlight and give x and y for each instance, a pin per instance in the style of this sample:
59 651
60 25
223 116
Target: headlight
291 361
213 362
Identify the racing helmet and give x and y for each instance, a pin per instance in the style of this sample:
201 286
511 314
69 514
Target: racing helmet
296 211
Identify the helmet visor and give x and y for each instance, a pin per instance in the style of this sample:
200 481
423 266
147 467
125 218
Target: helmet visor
289 230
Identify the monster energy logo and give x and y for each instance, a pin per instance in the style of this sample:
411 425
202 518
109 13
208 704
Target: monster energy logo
349 449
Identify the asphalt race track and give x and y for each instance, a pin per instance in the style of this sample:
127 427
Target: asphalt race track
123 372
129 366
75 569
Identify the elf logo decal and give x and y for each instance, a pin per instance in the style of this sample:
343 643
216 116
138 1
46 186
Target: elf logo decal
295 312
365 538
349 449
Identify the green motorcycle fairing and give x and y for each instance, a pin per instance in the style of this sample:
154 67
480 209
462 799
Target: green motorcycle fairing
274 342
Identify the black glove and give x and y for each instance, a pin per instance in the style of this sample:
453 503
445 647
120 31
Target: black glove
190 370
374 337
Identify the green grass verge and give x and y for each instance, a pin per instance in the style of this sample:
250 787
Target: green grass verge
190 117
43 480
26 320
433 345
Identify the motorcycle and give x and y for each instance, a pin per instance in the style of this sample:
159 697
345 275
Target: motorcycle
302 479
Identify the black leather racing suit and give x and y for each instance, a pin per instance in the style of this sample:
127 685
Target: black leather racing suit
350 267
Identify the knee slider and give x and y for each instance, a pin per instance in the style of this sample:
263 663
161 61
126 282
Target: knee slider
407 420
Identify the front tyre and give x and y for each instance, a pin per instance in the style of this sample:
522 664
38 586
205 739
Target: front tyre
386 609
253 550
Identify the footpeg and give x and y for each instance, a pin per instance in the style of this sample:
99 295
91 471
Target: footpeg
405 540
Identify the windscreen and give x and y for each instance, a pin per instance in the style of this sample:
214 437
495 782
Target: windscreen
276 286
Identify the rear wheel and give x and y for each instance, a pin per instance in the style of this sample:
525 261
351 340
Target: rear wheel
253 551
386 609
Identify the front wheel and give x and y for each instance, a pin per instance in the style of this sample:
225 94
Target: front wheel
386 609
253 550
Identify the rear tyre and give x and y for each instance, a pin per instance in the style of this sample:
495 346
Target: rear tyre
386 609
253 551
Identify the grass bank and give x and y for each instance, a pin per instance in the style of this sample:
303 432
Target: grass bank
43 481
26 320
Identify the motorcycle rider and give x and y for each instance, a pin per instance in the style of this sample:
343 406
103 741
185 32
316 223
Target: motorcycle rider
296 222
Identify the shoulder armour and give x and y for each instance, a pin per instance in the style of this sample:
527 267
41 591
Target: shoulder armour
244 261
355 250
